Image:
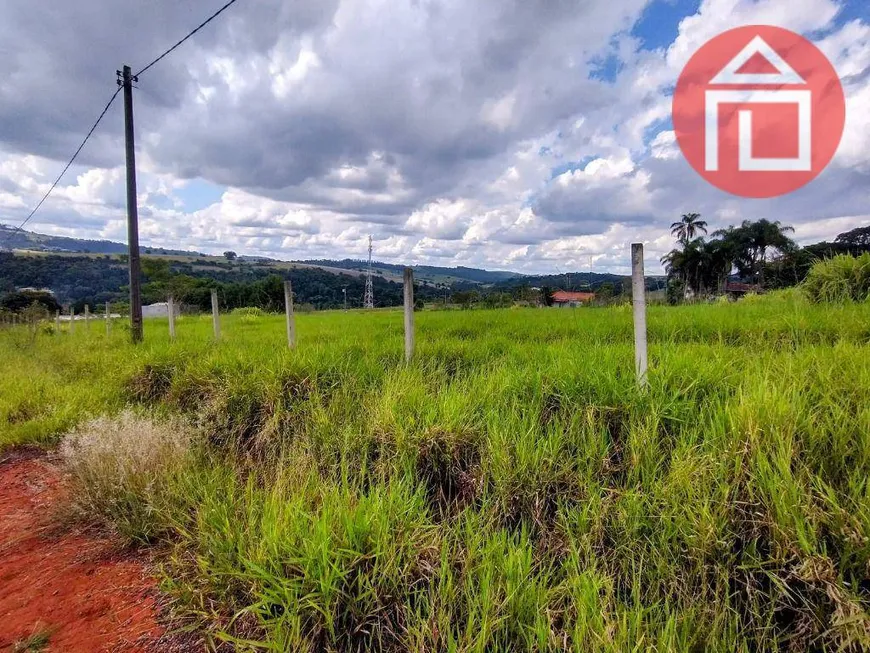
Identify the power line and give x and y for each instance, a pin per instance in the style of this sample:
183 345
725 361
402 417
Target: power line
67 166
201 25
106 109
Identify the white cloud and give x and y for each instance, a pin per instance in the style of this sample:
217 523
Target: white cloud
455 132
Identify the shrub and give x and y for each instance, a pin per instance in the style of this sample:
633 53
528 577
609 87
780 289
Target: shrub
839 279
249 314
121 470
249 311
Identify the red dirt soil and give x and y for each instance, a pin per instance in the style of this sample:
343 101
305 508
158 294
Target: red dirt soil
79 587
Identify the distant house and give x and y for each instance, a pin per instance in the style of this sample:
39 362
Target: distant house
737 289
568 298
47 291
160 309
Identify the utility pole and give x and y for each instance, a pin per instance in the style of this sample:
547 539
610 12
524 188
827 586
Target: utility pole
125 80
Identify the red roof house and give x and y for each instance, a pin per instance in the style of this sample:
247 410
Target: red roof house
568 298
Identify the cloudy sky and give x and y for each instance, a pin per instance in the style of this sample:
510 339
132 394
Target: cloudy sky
530 135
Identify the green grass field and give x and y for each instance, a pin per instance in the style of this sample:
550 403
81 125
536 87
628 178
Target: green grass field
511 489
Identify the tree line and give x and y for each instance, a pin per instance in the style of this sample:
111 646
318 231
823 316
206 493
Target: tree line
758 252
80 280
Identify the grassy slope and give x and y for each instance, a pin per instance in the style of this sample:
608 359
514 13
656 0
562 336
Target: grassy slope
510 489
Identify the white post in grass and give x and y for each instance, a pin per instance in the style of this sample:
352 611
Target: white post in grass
215 315
57 323
108 319
288 310
409 314
72 319
170 311
87 317
638 298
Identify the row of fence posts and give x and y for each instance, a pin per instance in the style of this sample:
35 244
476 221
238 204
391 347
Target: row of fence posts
88 315
638 292
291 318
215 315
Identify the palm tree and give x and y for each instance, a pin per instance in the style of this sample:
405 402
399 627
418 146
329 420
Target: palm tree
689 226
762 235
689 265
751 242
673 262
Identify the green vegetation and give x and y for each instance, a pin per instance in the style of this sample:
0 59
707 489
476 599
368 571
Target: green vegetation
20 301
511 489
704 266
842 278
35 643
760 251
81 280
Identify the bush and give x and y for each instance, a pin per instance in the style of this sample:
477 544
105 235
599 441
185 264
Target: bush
249 311
250 314
22 300
121 470
839 279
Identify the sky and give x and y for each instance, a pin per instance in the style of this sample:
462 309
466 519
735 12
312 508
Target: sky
527 135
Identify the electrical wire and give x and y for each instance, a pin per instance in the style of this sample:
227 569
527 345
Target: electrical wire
106 109
67 166
201 25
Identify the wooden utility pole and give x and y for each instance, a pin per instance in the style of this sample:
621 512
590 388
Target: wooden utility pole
638 299
409 314
215 315
170 310
126 79
291 319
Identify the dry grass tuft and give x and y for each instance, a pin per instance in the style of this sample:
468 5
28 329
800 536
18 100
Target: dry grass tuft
120 469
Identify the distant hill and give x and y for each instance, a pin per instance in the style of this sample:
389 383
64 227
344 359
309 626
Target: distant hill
30 240
12 239
431 273
579 281
457 278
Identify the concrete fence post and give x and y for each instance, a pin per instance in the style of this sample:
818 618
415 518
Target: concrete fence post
72 319
291 318
108 319
57 323
409 313
638 299
215 315
170 311
87 317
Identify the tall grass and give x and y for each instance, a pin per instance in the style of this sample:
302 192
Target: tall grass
511 489
838 279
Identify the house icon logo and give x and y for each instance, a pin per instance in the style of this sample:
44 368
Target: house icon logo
758 111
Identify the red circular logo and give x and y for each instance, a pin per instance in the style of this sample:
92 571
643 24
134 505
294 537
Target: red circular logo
759 111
